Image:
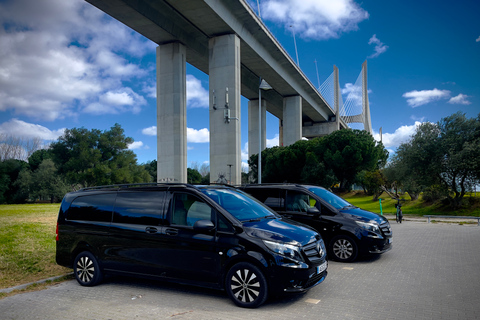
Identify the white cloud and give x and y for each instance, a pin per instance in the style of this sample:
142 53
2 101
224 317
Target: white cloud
401 135
57 57
417 98
151 91
150 131
135 145
315 19
245 152
415 118
197 96
198 136
460 99
245 167
193 135
19 128
274 142
478 39
380 47
118 101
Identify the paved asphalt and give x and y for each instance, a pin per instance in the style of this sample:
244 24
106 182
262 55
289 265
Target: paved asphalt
432 272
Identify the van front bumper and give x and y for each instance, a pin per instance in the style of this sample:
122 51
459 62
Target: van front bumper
298 280
377 246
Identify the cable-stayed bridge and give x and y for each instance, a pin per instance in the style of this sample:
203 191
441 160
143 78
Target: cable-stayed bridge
355 109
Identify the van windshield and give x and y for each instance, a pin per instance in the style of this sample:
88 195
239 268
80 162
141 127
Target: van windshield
332 199
239 204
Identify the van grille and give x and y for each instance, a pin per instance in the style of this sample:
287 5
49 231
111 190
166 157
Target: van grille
315 251
386 229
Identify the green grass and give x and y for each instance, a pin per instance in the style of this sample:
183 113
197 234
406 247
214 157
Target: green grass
409 207
27 243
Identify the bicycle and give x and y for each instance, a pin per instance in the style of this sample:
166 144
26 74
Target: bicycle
399 213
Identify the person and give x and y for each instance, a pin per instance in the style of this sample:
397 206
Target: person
300 203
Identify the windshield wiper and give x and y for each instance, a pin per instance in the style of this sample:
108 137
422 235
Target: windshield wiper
260 218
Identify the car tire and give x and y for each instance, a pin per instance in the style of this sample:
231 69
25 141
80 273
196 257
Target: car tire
246 285
87 270
343 248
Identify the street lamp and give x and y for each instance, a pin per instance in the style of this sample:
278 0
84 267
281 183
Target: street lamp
263 86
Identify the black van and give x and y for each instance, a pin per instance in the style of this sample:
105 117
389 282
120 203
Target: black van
347 230
213 236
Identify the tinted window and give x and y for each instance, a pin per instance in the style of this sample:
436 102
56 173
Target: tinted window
270 197
186 209
96 207
332 199
223 224
143 208
239 204
298 201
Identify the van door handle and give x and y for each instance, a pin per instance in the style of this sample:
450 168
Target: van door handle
171 232
151 230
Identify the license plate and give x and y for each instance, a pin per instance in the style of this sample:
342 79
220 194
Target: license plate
322 267
390 240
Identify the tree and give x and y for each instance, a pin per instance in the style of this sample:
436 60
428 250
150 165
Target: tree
374 181
37 157
9 171
193 176
151 168
444 155
315 172
47 184
459 155
348 152
20 148
92 157
336 157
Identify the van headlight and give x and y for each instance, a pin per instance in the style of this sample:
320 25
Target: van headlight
370 226
287 250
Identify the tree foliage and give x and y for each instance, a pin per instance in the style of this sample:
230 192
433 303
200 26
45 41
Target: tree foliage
92 157
9 171
337 157
193 176
441 158
348 152
79 158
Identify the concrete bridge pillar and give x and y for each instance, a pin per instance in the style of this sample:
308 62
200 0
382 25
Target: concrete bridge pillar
292 120
225 91
253 137
171 113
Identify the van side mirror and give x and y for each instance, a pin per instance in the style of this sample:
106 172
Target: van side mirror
203 226
314 211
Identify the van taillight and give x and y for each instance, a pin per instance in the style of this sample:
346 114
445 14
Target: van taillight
56 237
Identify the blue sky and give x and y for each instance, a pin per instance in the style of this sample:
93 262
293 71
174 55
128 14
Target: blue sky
65 64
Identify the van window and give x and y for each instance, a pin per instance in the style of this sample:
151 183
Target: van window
240 205
96 208
270 197
298 201
330 198
143 208
186 209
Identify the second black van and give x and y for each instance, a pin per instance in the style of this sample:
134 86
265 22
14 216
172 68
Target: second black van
213 236
347 230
